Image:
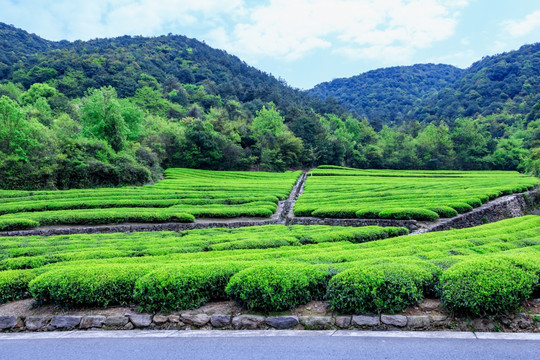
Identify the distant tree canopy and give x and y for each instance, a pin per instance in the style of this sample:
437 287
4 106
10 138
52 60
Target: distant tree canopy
508 82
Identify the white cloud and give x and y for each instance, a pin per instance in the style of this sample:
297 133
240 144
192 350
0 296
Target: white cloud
290 29
524 26
281 29
72 20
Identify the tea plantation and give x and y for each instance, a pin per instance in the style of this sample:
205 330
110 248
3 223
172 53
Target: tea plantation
184 195
483 270
338 192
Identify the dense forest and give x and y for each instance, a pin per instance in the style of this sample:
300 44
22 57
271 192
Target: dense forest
508 82
118 111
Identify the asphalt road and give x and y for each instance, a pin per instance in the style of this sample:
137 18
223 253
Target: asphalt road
325 345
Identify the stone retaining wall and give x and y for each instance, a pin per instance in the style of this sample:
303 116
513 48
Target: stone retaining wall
137 227
505 207
187 321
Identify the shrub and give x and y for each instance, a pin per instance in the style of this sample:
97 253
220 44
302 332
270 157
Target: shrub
184 286
17 224
486 286
408 214
367 214
444 211
75 286
461 207
381 287
340 213
277 287
14 284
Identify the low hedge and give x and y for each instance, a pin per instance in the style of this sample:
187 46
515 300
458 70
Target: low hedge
380 287
485 286
277 287
14 284
17 224
184 286
409 214
444 211
336 213
461 207
78 286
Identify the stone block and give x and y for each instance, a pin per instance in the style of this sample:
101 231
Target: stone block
160 319
141 321
248 322
116 321
365 320
34 323
65 321
95 321
316 322
197 320
220 320
395 320
418 322
282 322
343 322
7 322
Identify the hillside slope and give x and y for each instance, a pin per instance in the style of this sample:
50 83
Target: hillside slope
507 82
130 62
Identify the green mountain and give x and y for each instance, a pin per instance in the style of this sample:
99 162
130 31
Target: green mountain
389 95
129 62
508 82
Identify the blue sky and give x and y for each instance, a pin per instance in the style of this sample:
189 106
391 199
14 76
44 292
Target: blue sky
305 42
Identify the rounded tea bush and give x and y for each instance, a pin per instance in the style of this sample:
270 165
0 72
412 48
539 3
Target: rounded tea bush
445 211
380 287
277 287
408 214
17 224
14 284
76 286
486 286
183 286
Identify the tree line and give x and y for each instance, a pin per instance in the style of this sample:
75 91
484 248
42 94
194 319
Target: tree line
51 141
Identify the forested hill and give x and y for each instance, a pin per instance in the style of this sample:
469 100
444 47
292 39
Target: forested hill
508 82
127 63
389 95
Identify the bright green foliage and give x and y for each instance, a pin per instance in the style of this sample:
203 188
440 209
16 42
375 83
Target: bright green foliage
278 147
487 286
19 223
14 284
182 196
183 287
277 287
102 118
87 286
332 191
179 262
408 214
381 287
35 251
76 281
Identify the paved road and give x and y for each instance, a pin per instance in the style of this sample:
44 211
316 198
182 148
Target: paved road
265 345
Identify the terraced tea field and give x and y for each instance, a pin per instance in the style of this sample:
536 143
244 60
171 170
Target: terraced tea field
184 195
337 192
273 268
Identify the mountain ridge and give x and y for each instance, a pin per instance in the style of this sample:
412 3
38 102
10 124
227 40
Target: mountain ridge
482 89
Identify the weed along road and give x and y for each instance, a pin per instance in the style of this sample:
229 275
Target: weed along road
242 345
